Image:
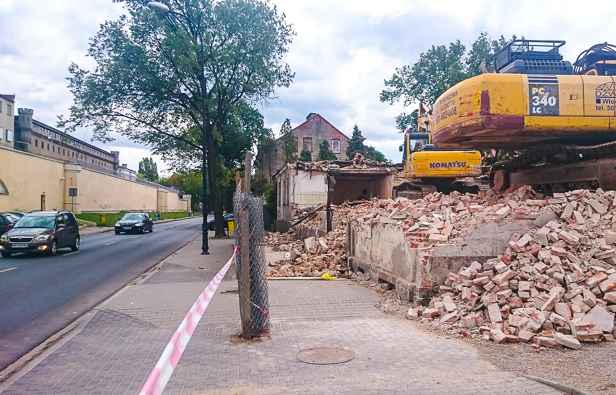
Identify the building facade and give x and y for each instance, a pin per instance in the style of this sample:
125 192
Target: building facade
40 139
7 120
307 136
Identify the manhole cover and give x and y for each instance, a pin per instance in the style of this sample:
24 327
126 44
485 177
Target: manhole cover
325 356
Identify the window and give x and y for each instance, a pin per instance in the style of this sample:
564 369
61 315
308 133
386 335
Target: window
63 151
35 142
9 135
0 107
336 146
8 110
296 143
308 144
53 148
1 133
47 146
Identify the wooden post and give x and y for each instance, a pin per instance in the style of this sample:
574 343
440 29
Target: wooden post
245 275
247 172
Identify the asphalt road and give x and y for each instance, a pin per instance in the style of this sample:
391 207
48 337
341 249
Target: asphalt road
40 295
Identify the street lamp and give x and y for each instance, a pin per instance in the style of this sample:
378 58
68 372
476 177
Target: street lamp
165 10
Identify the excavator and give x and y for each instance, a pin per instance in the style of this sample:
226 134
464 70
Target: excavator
561 116
428 169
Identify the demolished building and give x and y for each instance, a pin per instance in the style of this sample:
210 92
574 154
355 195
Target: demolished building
307 184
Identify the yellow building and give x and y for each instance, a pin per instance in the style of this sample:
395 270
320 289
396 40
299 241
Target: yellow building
32 182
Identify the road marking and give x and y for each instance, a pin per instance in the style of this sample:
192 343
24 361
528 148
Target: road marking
71 253
134 237
7 270
108 244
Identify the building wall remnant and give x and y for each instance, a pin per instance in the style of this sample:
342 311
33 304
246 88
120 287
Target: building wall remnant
383 254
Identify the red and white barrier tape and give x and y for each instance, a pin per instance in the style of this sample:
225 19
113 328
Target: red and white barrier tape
159 376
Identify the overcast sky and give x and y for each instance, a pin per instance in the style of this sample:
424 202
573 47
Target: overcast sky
343 51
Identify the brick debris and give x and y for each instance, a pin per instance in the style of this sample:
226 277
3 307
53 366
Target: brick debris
554 286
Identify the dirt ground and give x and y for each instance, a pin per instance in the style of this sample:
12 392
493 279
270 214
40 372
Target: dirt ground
589 369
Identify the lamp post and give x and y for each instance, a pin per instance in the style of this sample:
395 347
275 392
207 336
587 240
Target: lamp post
165 10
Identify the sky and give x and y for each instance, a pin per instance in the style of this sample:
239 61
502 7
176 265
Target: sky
342 53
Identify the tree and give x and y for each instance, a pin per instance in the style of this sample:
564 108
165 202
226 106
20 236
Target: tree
325 153
289 147
305 156
439 69
147 82
259 184
148 168
372 153
189 183
356 144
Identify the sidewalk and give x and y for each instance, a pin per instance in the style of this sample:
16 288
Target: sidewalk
114 348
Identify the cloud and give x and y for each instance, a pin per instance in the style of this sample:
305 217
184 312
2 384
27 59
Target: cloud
343 51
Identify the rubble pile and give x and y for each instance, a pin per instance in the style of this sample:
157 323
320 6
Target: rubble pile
554 286
311 257
436 219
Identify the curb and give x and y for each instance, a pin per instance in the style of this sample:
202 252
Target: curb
30 360
561 387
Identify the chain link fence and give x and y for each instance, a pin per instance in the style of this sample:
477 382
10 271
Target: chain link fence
259 303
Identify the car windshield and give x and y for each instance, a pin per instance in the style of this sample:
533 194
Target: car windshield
132 217
35 222
12 217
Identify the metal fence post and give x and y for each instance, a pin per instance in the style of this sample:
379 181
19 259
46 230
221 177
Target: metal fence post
245 276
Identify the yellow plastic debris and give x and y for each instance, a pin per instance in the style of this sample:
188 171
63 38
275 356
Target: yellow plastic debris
328 277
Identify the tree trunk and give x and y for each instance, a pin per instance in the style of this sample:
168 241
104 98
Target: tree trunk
214 190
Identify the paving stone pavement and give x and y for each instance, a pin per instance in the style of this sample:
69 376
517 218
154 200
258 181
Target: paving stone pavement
114 352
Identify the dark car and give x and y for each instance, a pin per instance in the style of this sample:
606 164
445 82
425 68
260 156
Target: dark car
16 214
41 231
227 217
134 222
7 221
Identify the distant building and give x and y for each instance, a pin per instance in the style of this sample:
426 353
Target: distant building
7 120
40 139
307 136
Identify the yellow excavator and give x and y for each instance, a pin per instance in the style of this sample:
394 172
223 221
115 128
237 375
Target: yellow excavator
427 169
562 116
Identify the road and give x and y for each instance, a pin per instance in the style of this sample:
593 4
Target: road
40 295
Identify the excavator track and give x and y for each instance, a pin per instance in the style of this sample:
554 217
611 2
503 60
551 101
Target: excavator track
559 168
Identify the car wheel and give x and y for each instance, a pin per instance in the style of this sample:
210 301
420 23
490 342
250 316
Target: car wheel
6 254
117 232
142 231
54 248
75 247
151 228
